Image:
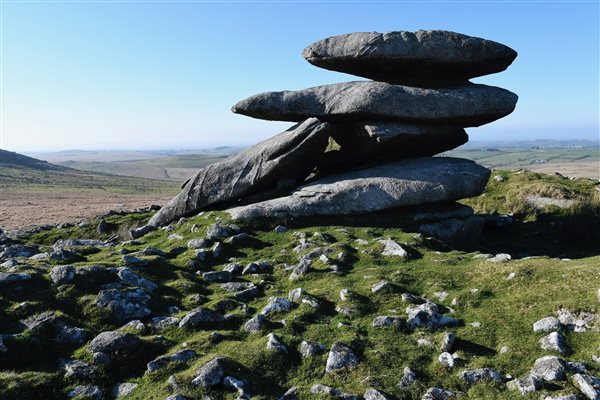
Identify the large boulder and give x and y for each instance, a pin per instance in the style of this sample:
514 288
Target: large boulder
466 105
421 58
403 183
281 157
113 341
368 142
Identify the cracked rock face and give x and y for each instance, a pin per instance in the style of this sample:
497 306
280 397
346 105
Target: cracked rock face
464 106
340 356
257 168
549 368
398 57
402 183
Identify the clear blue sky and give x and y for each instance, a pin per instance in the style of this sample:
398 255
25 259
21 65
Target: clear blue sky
83 75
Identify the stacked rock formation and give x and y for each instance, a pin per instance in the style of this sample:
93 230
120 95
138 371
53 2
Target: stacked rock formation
362 146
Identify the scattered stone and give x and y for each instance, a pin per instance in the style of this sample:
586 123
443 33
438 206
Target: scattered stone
7 278
141 231
257 267
340 357
79 370
134 261
233 383
199 317
292 393
373 394
311 349
86 392
500 258
111 342
273 343
160 323
482 374
62 274
391 248
446 360
218 276
588 385
162 361
130 278
198 243
427 315
547 324
381 287
441 295
549 368
255 324
276 304
448 341
280 229
248 294
526 385
124 305
123 389
296 294
210 374
101 358
554 341
386 320
328 390
436 393
407 379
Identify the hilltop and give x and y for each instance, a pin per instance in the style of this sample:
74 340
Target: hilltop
319 309
9 159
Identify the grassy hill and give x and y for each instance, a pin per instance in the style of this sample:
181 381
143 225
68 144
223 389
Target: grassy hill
555 266
9 159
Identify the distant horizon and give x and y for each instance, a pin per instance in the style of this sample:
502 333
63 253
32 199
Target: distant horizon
154 75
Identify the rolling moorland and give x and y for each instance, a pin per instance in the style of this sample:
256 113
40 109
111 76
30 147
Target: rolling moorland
203 288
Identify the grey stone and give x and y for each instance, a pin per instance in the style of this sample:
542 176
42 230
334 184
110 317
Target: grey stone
446 360
236 384
210 374
255 169
255 324
247 295
547 324
177 396
62 255
159 323
86 392
296 294
280 229
549 368
588 385
373 394
62 274
198 243
276 304
113 341
162 361
101 358
391 248
218 276
44 322
436 393
274 344
465 105
70 334
340 357
292 393
570 396
199 317
408 377
19 250
124 305
319 388
236 286
257 267
9 278
425 57
386 320
448 341
525 385
554 341
311 349
500 258
130 278
141 231
482 374
427 315
395 184
134 261
123 389
79 370
381 287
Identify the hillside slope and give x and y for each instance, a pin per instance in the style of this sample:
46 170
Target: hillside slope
10 159
203 288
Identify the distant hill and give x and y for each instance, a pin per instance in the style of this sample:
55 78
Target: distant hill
16 160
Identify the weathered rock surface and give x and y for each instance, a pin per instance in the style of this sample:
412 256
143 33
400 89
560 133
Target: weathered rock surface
112 341
124 305
554 341
340 356
482 374
199 318
162 361
432 57
402 183
210 374
547 324
549 368
525 385
588 385
436 393
261 166
464 106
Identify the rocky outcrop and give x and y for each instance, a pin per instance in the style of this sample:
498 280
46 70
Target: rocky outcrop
403 183
421 58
